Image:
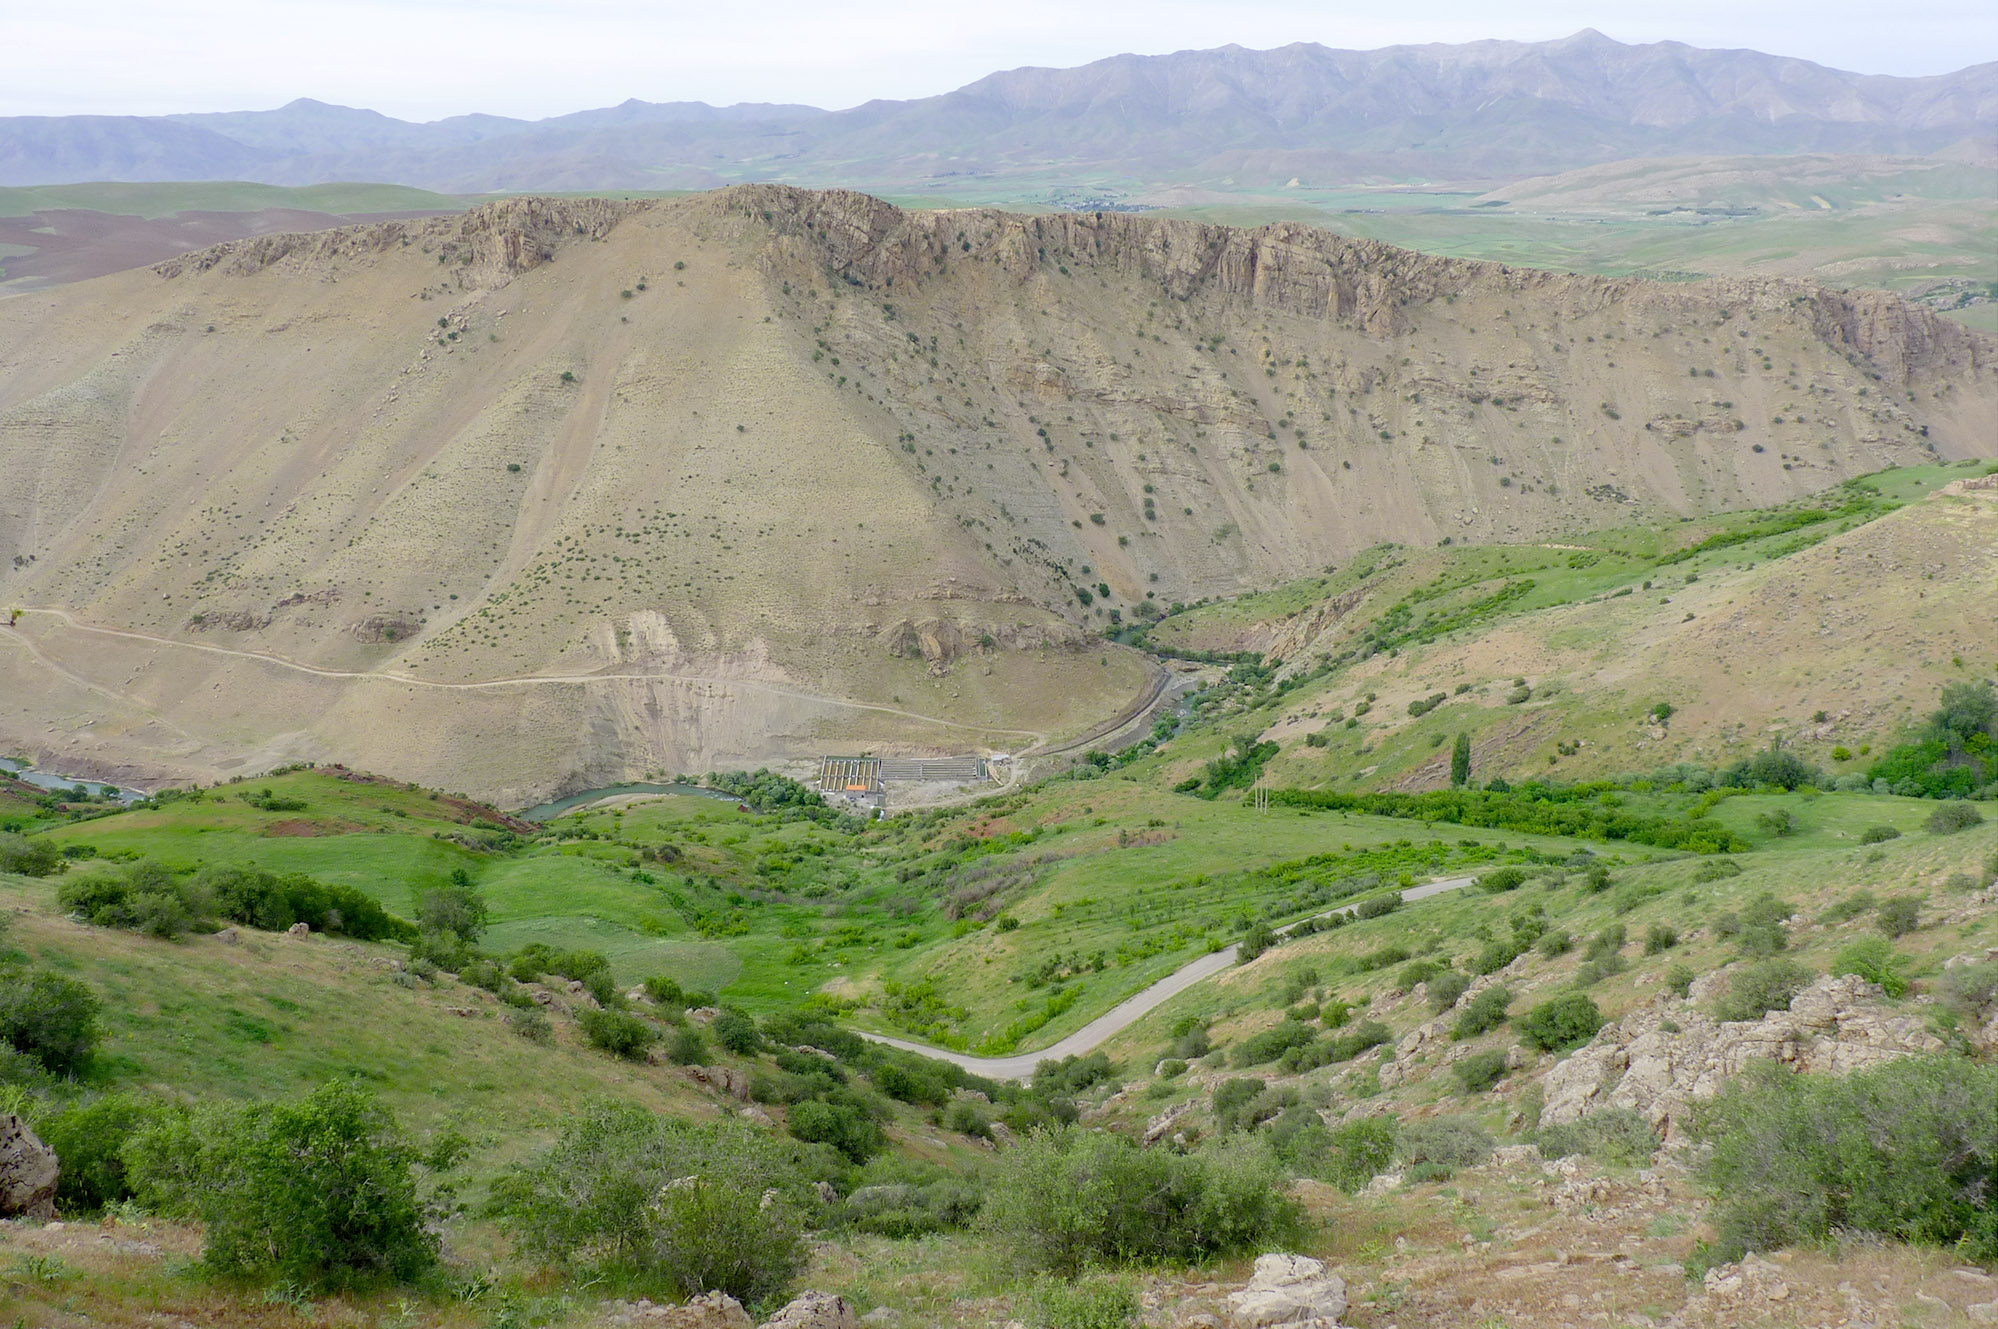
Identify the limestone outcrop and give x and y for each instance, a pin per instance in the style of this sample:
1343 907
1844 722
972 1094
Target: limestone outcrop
814 1310
1289 1292
28 1171
1659 1060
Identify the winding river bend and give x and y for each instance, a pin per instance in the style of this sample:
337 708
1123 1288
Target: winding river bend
1020 1066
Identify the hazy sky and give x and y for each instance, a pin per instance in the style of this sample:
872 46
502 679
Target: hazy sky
422 59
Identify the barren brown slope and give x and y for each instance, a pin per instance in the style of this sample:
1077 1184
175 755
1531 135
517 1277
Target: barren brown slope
840 479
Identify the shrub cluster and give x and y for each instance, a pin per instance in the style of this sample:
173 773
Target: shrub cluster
671 1206
1907 1150
1065 1199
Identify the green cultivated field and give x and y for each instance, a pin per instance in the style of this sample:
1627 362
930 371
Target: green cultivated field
153 200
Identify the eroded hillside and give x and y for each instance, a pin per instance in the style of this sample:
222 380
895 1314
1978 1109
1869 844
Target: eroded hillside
563 491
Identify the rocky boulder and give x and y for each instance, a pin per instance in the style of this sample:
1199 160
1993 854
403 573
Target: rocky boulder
725 1080
1662 1058
1289 1292
710 1310
814 1310
28 1170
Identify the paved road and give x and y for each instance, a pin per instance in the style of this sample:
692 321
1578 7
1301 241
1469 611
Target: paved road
1121 1016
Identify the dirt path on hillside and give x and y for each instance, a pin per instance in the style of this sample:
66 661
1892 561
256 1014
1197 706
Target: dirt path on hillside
521 680
1021 1065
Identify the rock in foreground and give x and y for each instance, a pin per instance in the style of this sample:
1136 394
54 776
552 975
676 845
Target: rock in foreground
1289 1292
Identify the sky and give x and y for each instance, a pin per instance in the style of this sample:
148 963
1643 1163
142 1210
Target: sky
425 59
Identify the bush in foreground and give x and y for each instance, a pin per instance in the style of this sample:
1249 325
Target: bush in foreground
323 1191
1907 1150
674 1207
1066 1199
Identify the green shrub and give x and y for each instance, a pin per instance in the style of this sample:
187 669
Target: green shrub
1495 955
1899 916
272 903
844 1125
89 1139
1971 989
1485 1013
911 1080
322 1192
1879 835
1444 1141
1481 1070
1875 960
1756 989
29 857
1613 1135
531 1024
1259 938
1851 907
1095 1303
1066 1199
457 908
1592 972
1270 1044
1348 1156
48 1017
1362 1036
619 1033
900 1199
144 897
686 1047
1679 980
1553 942
1445 989
665 992
1953 816
1504 879
1776 821
736 1032
1561 1023
1658 938
1907 1150
1716 869
673 1207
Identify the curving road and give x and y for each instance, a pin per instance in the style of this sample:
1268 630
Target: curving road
1020 1066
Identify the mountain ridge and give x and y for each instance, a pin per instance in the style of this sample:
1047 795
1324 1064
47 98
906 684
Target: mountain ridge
1481 110
921 461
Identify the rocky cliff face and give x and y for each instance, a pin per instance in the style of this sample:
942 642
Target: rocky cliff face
1310 272
1661 1059
487 245
764 434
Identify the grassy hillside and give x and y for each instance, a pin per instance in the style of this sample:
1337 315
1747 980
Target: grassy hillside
1639 879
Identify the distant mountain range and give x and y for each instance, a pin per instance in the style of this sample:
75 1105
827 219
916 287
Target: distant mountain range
1484 111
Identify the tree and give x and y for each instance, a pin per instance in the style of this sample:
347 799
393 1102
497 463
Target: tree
1460 760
